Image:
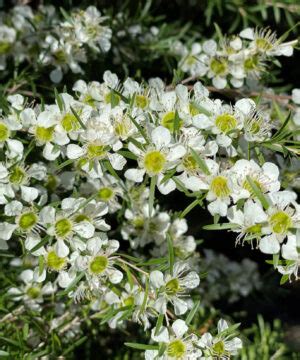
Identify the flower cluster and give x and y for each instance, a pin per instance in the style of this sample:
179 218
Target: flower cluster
44 39
68 168
234 59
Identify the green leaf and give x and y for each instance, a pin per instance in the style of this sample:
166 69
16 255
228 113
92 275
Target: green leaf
78 118
224 226
159 323
201 163
140 129
40 244
171 253
284 279
263 200
176 122
59 100
152 194
190 207
192 313
141 346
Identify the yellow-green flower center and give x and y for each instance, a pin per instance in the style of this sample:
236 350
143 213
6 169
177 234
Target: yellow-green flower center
263 44
254 229
112 98
33 292
247 186
27 221
141 101
70 123
4 132
55 262
191 60
98 264
176 349
280 222
95 151
121 128
17 175
172 287
43 134
154 162
251 63
60 56
105 194
138 223
81 217
219 348
89 100
4 47
168 121
226 122
129 301
218 66
51 183
63 228
219 186
189 162
193 109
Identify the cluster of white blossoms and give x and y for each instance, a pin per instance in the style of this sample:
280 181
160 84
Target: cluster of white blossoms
68 168
45 38
234 59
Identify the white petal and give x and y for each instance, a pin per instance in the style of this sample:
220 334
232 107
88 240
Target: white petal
6 230
115 276
161 137
74 151
269 245
28 193
136 175
179 327
157 279
61 249
84 229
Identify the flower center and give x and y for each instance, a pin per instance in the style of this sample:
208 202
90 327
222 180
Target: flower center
172 287
219 186
17 175
191 60
98 265
4 132
70 123
81 217
247 186
4 47
251 63
63 228
226 122
138 223
33 292
60 56
189 163
218 66
112 98
193 109
141 101
280 222
254 229
27 221
219 347
176 349
263 44
95 151
55 262
154 162
89 100
121 128
44 134
129 301
168 121
105 194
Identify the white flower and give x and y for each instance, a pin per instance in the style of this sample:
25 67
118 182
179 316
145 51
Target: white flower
173 287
